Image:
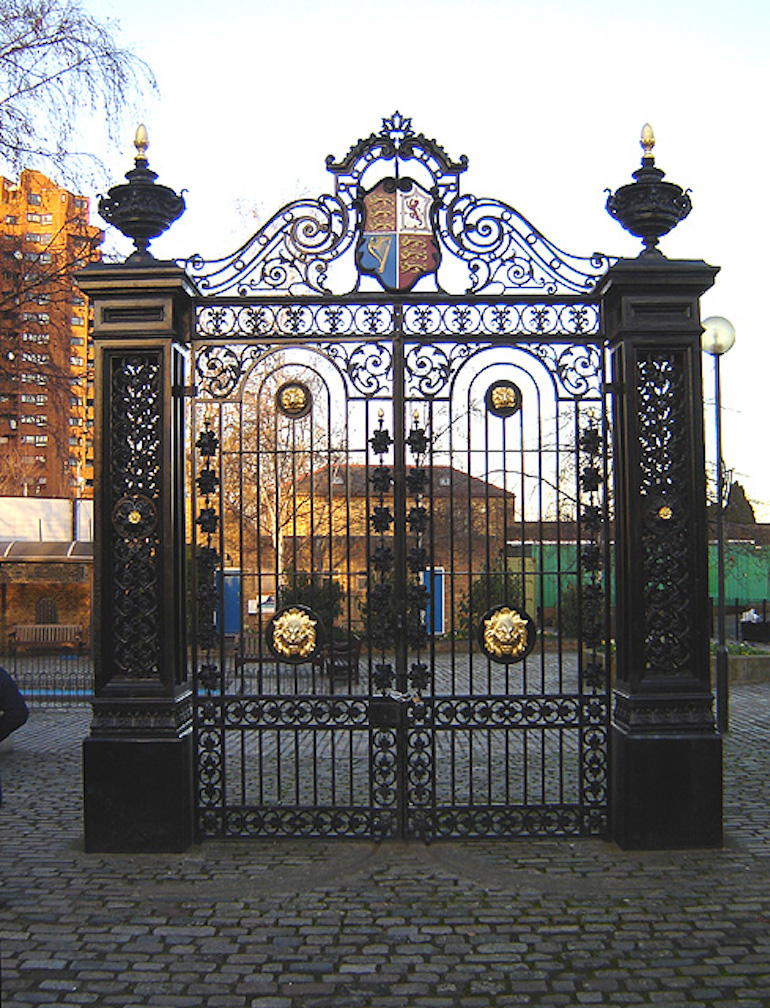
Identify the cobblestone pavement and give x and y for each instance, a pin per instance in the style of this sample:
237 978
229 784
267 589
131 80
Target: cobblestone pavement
270 924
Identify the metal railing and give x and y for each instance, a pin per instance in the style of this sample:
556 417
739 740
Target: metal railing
54 678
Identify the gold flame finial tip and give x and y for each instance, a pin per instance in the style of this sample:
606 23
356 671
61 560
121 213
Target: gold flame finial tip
141 142
648 140
380 414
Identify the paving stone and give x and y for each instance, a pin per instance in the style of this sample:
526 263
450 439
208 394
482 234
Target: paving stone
483 924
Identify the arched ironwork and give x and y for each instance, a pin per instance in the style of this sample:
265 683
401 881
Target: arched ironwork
442 462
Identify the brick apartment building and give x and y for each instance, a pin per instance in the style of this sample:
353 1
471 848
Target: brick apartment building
46 370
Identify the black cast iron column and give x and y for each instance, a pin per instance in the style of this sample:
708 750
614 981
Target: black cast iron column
666 753
137 761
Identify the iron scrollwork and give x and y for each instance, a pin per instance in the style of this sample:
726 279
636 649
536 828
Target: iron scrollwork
497 248
664 490
207 560
380 613
594 634
136 447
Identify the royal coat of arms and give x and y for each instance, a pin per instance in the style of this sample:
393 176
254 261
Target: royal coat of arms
398 244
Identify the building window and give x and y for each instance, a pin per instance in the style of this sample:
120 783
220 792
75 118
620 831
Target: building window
77 341
9 219
34 198
76 361
33 217
78 299
75 421
77 320
41 400
46 218
41 439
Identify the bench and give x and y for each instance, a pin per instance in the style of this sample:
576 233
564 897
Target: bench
249 648
338 659
45 635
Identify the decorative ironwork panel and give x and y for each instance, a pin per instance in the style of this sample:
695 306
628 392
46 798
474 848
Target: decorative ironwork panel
136 381
664 490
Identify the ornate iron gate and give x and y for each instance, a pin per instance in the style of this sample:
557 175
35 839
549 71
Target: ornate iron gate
402 524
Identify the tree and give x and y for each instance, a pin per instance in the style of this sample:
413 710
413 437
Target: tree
269 462
739 509
57 61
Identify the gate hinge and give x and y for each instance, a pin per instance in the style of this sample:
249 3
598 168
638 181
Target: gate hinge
613 388
187 391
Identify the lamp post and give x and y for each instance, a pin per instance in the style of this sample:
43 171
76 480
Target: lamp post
718 337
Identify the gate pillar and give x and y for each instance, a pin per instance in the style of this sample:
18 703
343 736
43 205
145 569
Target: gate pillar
666 753
137 762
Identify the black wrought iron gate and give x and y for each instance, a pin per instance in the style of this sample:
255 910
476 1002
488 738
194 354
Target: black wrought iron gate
401 520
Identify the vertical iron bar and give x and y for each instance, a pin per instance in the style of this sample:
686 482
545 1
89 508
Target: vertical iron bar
399 498
399 551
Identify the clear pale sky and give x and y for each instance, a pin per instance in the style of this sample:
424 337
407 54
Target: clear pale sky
546 98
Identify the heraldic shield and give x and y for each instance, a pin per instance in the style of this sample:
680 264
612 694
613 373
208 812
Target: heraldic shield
398 245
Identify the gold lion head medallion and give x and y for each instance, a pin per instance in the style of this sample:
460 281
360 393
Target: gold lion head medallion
506 635
294 634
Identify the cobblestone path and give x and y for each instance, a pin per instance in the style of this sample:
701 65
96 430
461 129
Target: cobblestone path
284 924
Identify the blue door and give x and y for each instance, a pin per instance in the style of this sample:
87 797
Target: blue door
433 580
231 595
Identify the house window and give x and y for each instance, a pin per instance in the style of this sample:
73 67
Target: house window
41 439
46 611
9 219
34 198
33 217
76 361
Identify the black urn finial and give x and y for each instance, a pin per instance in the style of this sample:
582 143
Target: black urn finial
649 207
141 210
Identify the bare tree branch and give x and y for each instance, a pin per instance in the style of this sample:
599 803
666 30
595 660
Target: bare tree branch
56 60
